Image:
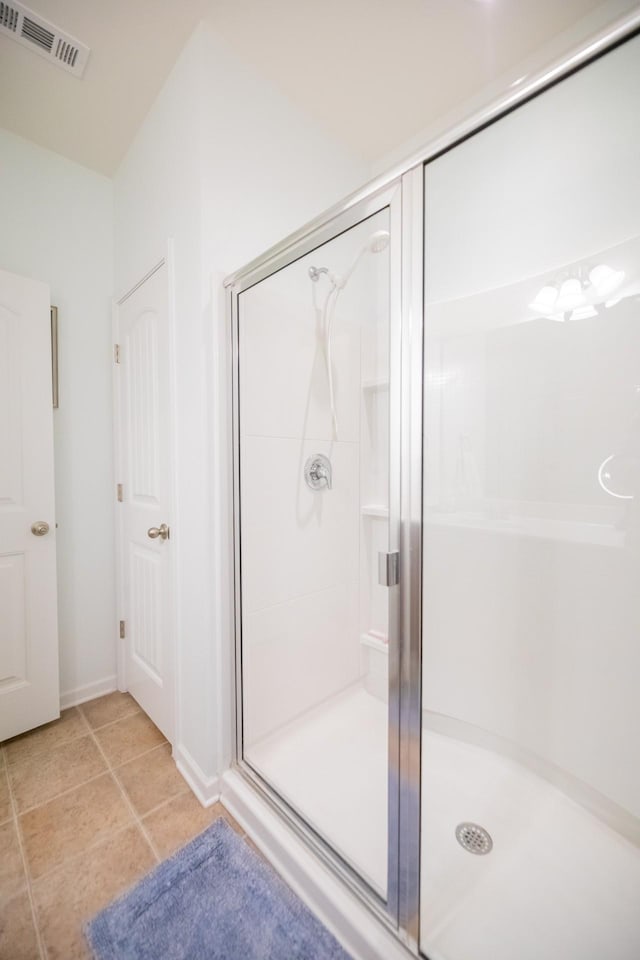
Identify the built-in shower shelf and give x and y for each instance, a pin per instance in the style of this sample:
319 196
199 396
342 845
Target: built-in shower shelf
375 641
370 385
375 510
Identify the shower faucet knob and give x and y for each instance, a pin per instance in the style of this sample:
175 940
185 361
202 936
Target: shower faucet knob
318 472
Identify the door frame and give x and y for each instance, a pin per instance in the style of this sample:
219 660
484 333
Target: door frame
168 260
399 911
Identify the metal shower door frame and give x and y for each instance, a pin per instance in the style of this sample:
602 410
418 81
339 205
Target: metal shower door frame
403 199
405 182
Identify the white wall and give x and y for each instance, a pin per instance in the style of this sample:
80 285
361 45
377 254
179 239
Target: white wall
225 166
57 226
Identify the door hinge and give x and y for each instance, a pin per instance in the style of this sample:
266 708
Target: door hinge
120 492
389 569
122 629
116 353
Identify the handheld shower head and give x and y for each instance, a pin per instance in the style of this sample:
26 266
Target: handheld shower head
376 243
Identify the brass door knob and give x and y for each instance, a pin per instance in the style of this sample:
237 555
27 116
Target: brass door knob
40 528
162 532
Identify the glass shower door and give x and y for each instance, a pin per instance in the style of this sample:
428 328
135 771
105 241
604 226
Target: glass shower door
530 779
315 383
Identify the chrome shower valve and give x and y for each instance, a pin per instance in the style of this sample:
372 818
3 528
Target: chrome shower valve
318 472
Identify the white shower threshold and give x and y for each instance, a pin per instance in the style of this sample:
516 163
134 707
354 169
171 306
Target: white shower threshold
558 884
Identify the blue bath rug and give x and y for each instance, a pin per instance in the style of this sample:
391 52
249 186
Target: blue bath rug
213 900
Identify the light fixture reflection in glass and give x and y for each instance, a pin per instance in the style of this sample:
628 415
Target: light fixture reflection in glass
571 296
604 478
583 313
604 280
611 303
441 377
545 300
578 293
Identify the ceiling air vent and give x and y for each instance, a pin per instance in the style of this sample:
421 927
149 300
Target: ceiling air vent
36 33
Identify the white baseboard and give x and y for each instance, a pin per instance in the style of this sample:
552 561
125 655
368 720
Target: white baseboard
206 789
71 698
362 935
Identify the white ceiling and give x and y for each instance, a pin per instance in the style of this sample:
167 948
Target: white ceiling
134 44
372 73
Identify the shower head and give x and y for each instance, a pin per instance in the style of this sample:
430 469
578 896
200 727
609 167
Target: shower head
376 243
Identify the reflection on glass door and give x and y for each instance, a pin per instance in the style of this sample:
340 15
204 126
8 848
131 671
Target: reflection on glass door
530 779
314 388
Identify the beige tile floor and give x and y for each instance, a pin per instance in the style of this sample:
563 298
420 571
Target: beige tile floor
88 805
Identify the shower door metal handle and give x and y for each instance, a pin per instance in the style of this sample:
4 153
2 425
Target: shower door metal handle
389 569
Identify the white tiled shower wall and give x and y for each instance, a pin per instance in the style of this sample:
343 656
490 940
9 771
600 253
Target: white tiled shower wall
303 563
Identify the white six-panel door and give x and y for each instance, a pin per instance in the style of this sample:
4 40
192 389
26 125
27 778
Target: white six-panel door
29 688
144 455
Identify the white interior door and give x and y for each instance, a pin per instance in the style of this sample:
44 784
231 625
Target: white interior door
29 686
144 442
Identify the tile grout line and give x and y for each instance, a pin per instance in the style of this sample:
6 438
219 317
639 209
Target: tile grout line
110 769
110 723
81 853
96 776
163 803
63 793
125 796
146 753
76 786
42 949
24 736
62 743
114 833
3 771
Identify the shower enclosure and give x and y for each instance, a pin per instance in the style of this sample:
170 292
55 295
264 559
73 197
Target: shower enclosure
318 491
437 536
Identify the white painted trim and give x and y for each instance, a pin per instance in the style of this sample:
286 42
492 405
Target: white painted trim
351 922
71 698
137 285
218 387
206 789
117 516
172 440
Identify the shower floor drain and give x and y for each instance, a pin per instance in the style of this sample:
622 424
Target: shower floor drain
474 838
